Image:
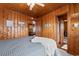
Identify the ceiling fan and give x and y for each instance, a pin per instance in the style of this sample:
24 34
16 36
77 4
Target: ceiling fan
31 5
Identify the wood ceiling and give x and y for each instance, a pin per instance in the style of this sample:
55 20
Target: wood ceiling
37 11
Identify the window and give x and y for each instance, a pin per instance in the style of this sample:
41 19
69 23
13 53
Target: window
9 23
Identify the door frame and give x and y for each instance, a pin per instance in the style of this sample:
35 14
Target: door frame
57 38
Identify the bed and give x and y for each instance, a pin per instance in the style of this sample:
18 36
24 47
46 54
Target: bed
29 46
22 47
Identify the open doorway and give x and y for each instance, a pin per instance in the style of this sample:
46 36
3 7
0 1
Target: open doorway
32 28
62 30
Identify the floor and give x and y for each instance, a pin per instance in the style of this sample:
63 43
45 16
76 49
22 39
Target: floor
64 53
64 48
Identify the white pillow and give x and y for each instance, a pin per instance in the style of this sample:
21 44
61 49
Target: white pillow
49 44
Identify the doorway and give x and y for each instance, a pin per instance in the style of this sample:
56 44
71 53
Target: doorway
32 28
62 30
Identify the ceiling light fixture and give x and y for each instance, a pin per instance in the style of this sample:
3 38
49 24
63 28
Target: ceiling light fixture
31 5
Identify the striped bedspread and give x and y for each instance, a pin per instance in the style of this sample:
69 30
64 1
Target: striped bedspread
21 47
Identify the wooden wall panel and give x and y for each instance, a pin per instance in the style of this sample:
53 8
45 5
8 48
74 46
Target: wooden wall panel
48 20
16 31
38 27
73 45
1 24
72 11
51 19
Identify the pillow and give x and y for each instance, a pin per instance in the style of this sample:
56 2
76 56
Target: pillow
49 44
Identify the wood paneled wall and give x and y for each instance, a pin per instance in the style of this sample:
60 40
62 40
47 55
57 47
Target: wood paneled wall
51 19
72 11
73 38
38 27
15 31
